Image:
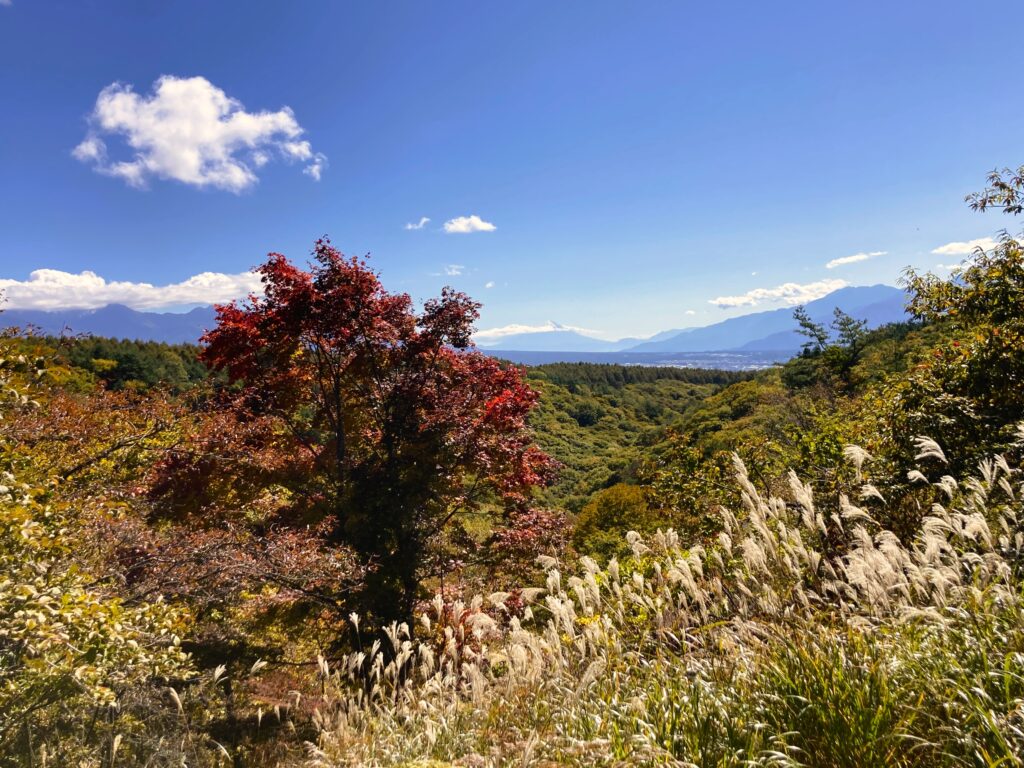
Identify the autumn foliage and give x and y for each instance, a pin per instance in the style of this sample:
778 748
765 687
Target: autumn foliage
378 424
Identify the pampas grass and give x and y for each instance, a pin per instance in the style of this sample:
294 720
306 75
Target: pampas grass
805 636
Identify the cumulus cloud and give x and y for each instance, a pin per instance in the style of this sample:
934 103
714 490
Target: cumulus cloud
491 335
454 270
54 289
424 220
689 312
191 131
966 247
842 260
489 284
787 293
463 225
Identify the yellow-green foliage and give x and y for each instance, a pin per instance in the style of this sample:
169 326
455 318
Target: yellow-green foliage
602 525
70 649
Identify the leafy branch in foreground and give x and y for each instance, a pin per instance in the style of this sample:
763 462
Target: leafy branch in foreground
1005 191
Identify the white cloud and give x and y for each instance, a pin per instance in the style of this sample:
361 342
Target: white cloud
91 150
454 270
55 289
463 225
689 312
493 334
316 168
424 220
965 248
7 2
489 284
787 293
854 259
191 131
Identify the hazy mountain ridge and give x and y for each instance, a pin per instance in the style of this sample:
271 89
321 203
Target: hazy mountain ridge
776 329
768 331
115 321
771 331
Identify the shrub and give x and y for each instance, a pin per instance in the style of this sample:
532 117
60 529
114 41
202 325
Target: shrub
602 525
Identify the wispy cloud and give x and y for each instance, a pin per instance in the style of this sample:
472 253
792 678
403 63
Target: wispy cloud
424 220
966 247
689 312
191 131
463 225
316 168
54 289
454 270
493 334
787 293
843 260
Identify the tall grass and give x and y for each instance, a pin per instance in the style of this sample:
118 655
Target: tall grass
807 635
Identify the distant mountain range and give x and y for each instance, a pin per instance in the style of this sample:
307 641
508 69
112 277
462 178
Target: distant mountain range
562 339
770 331
761 335
116 321
775 330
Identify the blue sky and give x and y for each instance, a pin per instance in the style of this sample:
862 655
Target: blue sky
642 163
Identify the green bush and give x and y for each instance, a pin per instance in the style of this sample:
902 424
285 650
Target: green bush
602 525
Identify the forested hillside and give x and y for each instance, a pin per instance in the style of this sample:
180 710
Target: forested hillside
337 534
597 421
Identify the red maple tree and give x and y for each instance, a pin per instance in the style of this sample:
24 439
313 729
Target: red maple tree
401 423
